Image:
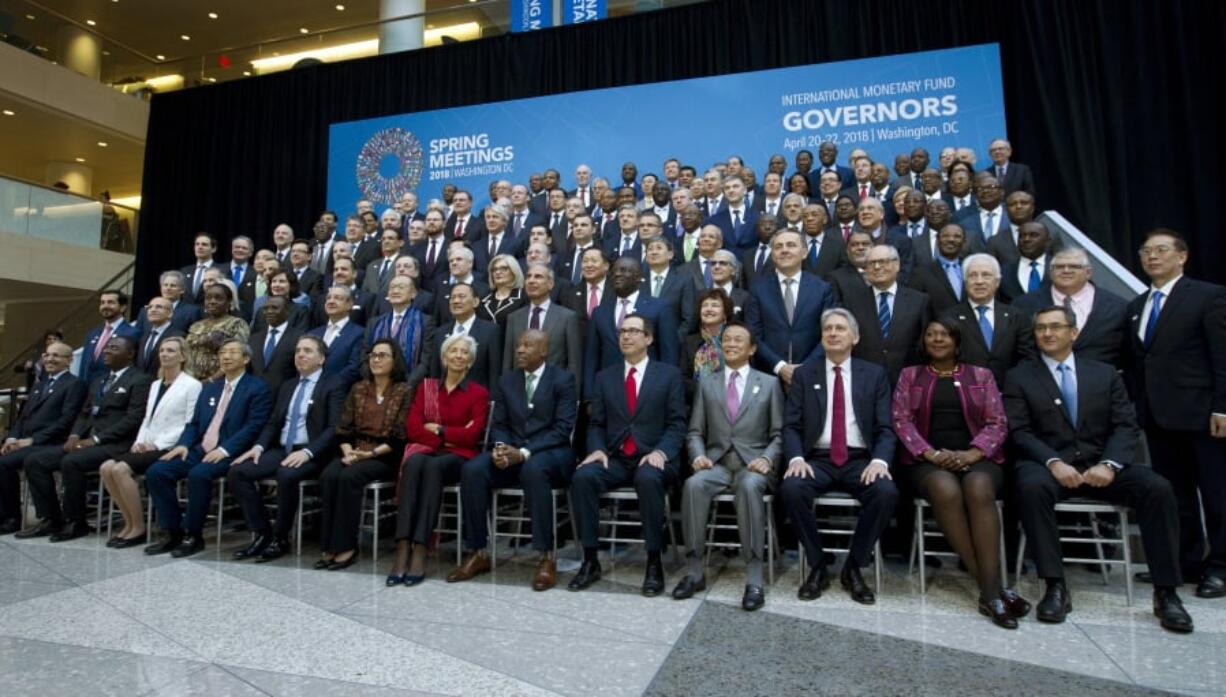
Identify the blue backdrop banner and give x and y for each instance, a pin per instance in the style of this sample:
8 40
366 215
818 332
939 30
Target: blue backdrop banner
580 11
530 15
886 105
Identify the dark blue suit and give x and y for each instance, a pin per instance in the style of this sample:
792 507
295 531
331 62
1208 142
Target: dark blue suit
602 349
245 416
612 245
804 420
846 177
658 423
184 316
798 342
345 353
46 419
93 367
544 428
736 237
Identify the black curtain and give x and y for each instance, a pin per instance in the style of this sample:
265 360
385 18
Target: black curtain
1112 103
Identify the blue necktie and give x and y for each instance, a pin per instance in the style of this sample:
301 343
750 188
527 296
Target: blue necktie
984 325
953 272
883 313
1068 388
990 226
813 252
706 272
294 427
1152 322
269 346
1033 285
238 275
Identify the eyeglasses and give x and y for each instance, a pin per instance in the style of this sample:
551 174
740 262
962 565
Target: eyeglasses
1054 327
1159 250
879 263
631 331
1067 267
720 262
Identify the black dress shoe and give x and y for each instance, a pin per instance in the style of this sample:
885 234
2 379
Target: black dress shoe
275 550
126 542
258 545
112 540
44 529
589 573
855 585
1211 587
1170 613
1143 577
998 612
1017 606
168 544
321 564
818 581
1056 604
10 526
70 532
688 587
753 599
190 545
653 580
340 565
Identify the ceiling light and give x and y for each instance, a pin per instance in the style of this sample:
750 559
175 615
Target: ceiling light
165 82
303 30
160 57
9 112
247 73
30 17
460 32
211 79
102 143
41 48
340 8
91 22
185 37
80 159
212 15
358 49
106 53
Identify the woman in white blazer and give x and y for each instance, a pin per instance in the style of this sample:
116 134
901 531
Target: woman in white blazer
172 402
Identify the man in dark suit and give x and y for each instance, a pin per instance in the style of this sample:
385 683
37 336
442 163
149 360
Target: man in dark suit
1076 434
584 297
1014 176
734 442
958 194
204 246
1177 337
295 444
870 217
941 279
914 225
861 185
827 157
559 323
783 308
364 239
892 317
495 240
533 420
230 413
849 278
1019 206
994 335
364 306
756 261
569 264
1029 272
602 348
1102 318
823 252
625 240
241 271
182 313
635 436
431 253
725 270
342 336
735 219
44 422
381 270
838 436
463 224
272 348
487 367
112 306
460 262
158 326
669 284
104 429
987 217
310 281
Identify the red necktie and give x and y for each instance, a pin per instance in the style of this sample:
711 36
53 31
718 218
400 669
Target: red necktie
632 402
846 232
863 192
459 228
591 301
838 426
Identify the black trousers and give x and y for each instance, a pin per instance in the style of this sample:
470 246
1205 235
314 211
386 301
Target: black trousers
40 473
651 484
245 484
537 476
341 487
1137 487
421 493
877 502
1191 461
10 478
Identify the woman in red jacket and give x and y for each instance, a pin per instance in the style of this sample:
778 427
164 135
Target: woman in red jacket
950 421
445 427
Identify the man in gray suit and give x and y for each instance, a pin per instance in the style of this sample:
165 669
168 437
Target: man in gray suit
559 323
734 443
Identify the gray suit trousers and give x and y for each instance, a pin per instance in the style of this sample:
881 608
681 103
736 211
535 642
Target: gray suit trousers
748 487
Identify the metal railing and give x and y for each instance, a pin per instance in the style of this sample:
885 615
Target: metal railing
37 210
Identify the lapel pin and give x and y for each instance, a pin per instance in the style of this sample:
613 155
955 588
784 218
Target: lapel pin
1058 402
1134 317
962 318
212 401
310 402
957 384
817 386
120 390
755 389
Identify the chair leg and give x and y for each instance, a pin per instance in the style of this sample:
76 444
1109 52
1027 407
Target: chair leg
877 565
1098 548
101 494
1124 544
374 547
917 544
672 531
771 543
1021 555
459 530
712 520
493 541
221 507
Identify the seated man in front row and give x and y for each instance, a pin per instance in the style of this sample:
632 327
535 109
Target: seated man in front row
1076 434
837 435
734 443
533 421
228 418
634 437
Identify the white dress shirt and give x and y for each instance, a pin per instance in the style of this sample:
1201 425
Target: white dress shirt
641 370
1165 289
854 438
1023 270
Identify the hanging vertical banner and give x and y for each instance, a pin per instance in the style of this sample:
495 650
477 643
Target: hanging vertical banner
580 11
530 15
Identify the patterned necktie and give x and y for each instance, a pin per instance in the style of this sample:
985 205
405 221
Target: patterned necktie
763 253
655 292
733 397
213 434
789 298
953 273
632 402
430 256
838 423
198 279
529 385
883 313
625 310
989 228
689 247
985 326
536 318
706 272
736 219
1068 389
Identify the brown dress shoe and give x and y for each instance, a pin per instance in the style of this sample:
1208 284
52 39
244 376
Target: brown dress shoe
475 565
546 575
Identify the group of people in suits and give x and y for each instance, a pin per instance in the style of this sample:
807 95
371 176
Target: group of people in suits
725 337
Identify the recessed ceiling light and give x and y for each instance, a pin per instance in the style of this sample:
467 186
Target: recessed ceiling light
41 48
211 79
160 57
106 53
212 15
91 22
30 17
9 112
340 8
247 73
303 30
80 159
102 143
185 37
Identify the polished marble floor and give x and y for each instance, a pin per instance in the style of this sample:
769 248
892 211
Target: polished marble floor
77 618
